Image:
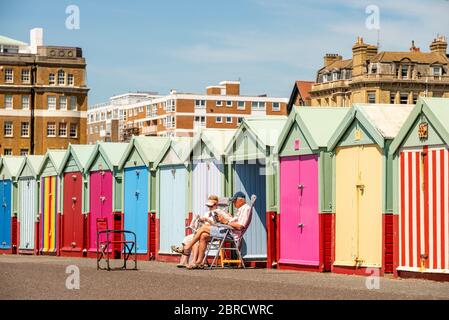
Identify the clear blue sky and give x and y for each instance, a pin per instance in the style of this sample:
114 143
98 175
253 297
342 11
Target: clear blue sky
187 45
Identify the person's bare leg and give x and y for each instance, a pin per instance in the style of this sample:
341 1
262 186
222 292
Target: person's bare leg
194 254
205 238
184 260
196 238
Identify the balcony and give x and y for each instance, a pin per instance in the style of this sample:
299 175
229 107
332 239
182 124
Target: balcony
149 130
330 85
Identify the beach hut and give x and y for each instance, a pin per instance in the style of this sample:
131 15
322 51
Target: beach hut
253 170
421 191
139 190
74 199
173 196
105 189
27 226
305 203
8 195
208 165
363 188
49 193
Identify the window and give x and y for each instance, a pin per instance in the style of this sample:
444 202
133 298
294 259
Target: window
219 103
51 79
170 122
96 129
276 106
62 129
8 129
8 102
51 102
61 77
7 152
24 152
228 119
335 76
25 102
371 97
200 103
404 98
26 75
241 105
63 103
404 72
239 120
51 129
9 76
73 130
140 109
91 130
171 105
258 105
393 97
218 120
73 104
415 98
374 68
70 80
25 129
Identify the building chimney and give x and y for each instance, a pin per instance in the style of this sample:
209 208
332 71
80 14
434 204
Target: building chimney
330 58
413 48
439 45
359 57
36 39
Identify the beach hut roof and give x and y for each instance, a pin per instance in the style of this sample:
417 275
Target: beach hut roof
318 124
34 162
181 146
112 152
11 166
264 129
216 141
382 121
435 109
150 149
80 152
55 156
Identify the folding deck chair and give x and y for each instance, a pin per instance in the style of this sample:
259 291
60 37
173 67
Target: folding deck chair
105 246
226 245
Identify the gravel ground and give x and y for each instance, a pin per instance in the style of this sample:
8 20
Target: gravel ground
41 277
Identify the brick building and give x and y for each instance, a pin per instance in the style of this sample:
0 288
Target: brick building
382 77
178 114
43 96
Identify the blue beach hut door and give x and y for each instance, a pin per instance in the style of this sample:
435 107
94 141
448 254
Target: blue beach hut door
136 205
5 214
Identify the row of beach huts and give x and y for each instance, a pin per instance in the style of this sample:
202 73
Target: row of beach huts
346 190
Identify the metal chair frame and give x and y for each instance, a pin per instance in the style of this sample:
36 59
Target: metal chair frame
128 247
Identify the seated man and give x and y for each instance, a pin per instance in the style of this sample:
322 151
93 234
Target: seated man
197 222
239 223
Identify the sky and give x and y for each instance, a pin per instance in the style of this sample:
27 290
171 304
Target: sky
188 45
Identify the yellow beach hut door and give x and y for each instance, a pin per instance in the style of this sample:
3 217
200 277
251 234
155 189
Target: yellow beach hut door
358 206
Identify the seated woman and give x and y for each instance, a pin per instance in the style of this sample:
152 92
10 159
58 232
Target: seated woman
197 222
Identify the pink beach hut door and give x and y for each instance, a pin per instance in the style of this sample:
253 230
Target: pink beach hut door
100 203
299 228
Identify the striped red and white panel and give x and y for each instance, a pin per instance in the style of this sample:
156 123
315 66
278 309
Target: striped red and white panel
423 209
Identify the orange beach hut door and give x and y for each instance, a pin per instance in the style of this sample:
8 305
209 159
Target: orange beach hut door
49 212
358 206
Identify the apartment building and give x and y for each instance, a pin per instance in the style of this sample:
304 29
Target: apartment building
180 114
382 77
43 96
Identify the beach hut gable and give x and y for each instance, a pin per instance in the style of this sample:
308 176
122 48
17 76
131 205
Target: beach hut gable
171 157
101 162
134 159
296 142
437 131
30 167
358 134
11 167
246 145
